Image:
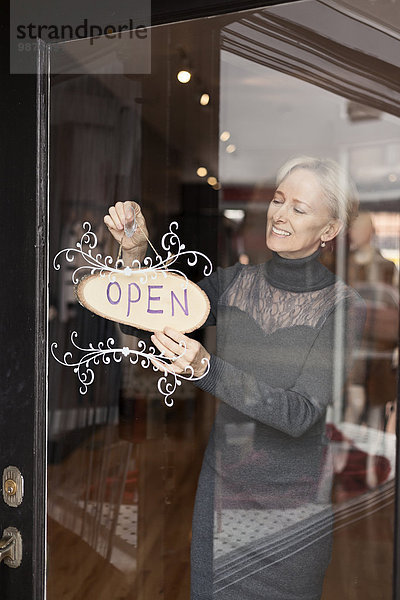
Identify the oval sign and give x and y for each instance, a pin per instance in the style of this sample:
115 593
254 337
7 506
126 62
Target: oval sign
164 300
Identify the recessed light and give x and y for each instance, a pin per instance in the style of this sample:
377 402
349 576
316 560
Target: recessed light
184 76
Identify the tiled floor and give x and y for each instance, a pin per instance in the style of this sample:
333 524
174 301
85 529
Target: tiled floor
120 518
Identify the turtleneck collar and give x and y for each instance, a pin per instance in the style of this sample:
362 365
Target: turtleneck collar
298 274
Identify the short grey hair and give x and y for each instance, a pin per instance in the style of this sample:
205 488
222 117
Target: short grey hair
339 191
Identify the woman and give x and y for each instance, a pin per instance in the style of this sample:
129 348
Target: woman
262 519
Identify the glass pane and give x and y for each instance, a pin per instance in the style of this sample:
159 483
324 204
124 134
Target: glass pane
302 119
296 493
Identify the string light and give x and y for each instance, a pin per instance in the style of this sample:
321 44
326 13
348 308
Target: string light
225 135
204 99
231 148
212 180
201 171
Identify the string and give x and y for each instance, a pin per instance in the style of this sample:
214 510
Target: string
151 245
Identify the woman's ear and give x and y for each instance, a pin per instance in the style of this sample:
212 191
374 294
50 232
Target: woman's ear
332 230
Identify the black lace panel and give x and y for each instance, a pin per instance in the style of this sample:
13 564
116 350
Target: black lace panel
273 308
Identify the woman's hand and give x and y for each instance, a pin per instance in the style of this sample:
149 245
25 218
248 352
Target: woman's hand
123 214
192 354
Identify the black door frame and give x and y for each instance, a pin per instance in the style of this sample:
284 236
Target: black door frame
23 319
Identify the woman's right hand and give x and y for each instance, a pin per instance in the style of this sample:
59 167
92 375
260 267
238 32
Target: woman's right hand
122 214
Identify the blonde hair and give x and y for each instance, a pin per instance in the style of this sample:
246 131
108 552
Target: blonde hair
339 191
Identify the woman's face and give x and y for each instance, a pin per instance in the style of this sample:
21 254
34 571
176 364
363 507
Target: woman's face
298 217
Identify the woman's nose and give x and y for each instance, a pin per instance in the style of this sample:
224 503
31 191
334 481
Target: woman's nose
281 213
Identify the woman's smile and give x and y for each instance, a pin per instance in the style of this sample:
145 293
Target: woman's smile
279 232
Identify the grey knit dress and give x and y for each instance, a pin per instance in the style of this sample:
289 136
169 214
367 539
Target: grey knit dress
262 521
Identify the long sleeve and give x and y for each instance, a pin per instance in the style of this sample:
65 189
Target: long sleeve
295 410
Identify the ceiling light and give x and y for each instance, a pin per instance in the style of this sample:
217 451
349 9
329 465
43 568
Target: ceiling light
204 99
225 135
235 214
184 76
201 171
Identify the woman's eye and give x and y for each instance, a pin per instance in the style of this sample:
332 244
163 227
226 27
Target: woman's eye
300 212
276 201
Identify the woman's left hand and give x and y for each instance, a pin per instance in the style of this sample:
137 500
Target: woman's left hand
191 353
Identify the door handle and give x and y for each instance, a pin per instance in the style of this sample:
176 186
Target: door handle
11 547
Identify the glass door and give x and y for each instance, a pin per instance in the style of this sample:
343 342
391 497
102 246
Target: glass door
198 139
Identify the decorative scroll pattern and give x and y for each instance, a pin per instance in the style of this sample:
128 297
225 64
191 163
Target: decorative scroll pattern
170 242
105 352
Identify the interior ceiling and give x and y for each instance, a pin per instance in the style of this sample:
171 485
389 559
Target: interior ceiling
271 115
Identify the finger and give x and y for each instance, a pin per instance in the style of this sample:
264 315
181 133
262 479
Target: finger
170 344
134 207
166 368
179 361
111 227
109 222
119 208
139 216
182 341
177 336
129 213
137 209
115 218
162 348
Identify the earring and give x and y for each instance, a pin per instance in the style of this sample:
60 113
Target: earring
323 244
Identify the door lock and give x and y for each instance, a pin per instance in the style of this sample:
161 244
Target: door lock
11 547
13 486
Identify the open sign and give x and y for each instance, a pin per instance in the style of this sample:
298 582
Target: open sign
149 301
